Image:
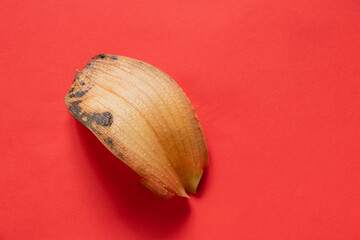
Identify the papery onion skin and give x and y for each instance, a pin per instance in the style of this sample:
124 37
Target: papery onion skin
144 118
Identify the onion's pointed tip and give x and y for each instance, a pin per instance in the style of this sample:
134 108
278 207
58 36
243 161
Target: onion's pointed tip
193 182
182 193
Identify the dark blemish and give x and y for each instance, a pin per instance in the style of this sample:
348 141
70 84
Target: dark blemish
120 155
102 55
105 119
71 90
109 142
82 83
75 109
89 64
78 94
113 57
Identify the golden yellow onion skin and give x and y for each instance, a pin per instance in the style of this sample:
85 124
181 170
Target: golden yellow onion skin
144 118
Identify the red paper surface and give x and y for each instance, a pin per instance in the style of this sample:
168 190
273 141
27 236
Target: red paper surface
276 85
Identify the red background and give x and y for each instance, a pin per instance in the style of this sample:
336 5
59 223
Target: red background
276 85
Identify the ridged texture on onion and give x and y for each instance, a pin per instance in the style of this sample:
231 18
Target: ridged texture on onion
144 118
